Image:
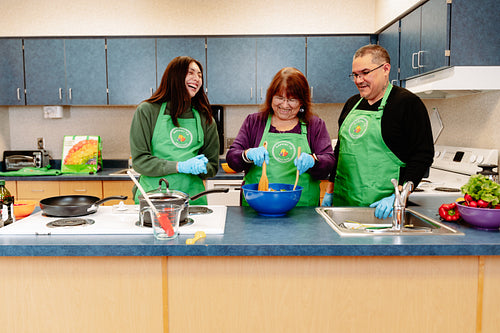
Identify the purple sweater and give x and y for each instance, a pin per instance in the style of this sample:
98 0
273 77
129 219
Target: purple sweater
251 132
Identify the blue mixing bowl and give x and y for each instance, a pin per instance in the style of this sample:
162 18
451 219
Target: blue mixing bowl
276 202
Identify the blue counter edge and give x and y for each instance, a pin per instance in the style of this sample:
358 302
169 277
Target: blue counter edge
302 232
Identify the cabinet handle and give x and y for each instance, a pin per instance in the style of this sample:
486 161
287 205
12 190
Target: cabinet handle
312 92
251 93
18 94
69 94
418 59
413 60
260 93
60 94
80 190
151 91
34 190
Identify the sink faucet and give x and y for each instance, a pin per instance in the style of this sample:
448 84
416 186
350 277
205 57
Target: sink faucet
398 214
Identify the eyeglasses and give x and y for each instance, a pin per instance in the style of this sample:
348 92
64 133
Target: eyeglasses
293 102
354 76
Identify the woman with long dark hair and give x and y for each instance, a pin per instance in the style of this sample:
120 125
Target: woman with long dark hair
173 134
286 122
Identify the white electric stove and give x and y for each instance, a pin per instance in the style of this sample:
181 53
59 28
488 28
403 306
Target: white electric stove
452 168
115 220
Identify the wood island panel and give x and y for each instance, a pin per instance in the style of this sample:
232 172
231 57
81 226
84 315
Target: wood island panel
322 294
491 295
81 294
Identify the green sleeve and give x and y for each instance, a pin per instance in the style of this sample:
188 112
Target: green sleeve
210 147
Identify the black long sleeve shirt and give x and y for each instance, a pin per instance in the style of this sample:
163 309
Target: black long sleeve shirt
406 130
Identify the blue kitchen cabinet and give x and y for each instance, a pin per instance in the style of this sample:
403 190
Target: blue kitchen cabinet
475 33
169 48
11 72
241 69
65 71
44 71
274 53
131 70
329 63
389 39
86 71
231 76
424 39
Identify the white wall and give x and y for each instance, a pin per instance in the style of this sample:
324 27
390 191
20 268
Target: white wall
195 17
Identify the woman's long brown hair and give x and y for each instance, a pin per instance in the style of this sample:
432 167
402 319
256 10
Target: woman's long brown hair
173 89
292 83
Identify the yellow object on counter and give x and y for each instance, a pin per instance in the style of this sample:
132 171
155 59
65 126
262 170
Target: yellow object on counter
197 235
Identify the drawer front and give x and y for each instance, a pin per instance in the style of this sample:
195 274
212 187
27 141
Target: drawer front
232 198
37 190
12 187
93 187
118 187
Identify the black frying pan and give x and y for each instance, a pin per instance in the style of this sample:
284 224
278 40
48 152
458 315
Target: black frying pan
73 205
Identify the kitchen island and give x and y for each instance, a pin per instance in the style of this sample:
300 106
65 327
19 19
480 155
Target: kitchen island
292 274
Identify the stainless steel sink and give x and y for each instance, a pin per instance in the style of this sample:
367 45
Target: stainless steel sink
361 221
123 172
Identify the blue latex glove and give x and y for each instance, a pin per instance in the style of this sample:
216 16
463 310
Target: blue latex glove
327 200
194 165
304 162
384 207
258 155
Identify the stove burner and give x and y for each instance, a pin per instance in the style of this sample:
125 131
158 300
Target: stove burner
447 189
70 222
199 210
187 221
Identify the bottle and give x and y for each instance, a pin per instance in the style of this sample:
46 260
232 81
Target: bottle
6 206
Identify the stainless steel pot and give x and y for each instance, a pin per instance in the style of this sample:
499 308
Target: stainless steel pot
162 195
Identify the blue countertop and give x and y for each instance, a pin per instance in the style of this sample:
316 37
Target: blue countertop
302 232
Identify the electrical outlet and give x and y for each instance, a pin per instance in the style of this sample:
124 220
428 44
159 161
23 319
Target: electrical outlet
40 143
229 142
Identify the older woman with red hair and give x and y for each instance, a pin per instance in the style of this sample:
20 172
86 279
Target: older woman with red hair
286 122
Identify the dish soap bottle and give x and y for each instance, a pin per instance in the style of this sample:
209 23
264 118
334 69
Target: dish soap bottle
6 206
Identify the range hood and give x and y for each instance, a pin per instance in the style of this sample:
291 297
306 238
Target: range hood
455 81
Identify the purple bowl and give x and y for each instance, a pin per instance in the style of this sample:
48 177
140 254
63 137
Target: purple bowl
481 218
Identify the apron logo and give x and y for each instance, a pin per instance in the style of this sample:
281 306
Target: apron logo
358 127
283 151
181 137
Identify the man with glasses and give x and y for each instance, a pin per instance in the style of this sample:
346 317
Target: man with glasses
384 133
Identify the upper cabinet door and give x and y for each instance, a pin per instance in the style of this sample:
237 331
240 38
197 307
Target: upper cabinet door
273 54
410 44
86 71
425 39
44 71
434 35
329 63
131 70
475 39
169 48
231 65
11 72
389 39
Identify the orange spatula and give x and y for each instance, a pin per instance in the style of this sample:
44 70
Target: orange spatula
297 177
264 182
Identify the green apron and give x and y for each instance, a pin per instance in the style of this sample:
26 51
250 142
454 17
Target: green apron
176 144
366 165
282 148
